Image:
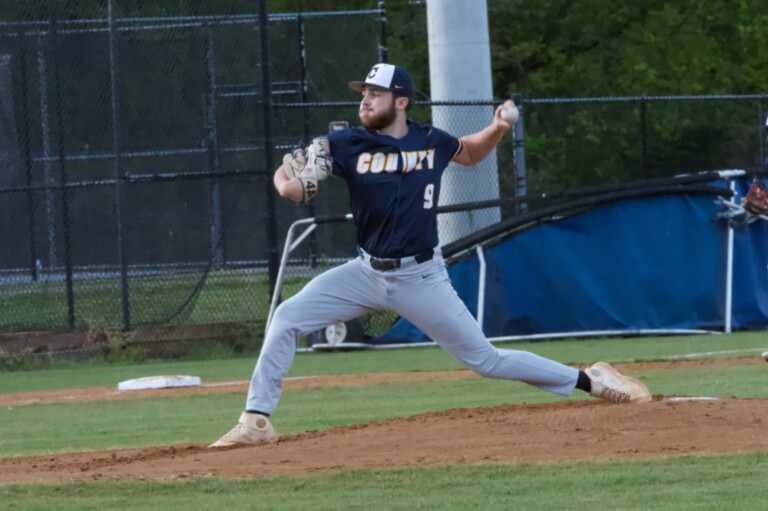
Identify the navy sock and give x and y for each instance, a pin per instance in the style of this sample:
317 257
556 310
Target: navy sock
584 383
256 411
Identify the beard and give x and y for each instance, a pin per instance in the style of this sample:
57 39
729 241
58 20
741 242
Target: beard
380 121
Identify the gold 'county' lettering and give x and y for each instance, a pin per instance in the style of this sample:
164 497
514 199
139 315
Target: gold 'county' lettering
412 160
363 163
377 163
391 165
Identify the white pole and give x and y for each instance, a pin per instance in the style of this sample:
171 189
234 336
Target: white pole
283 261
460 69
480 287
729 269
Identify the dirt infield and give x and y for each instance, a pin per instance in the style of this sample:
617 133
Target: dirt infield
550 432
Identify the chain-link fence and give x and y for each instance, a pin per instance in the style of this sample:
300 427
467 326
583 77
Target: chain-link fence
137 158
137 154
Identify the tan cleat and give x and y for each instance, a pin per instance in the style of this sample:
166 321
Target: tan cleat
609 384
251 429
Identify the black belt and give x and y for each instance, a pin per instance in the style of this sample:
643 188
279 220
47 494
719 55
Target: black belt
393 264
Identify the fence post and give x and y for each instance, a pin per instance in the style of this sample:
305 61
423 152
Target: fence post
63 184
118 172
22 132
761 120
269 147
383 50
521 183
643 139
45 126
309 208
217 233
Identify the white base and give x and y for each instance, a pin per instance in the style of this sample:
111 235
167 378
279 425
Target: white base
159 382
684 398
343 346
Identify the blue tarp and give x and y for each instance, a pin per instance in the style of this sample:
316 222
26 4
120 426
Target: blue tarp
657 263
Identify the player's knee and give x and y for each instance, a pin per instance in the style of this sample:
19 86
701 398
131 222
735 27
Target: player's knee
286 315
484 365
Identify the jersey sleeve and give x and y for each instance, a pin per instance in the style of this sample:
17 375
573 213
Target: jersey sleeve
447 145
339 143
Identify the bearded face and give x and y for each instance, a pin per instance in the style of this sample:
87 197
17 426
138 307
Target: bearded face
376 112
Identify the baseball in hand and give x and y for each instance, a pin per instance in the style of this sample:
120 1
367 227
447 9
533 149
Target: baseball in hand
510 114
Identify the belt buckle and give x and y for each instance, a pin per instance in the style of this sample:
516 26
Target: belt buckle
385 264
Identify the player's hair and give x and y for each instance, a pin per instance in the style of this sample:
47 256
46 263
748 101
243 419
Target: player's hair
410 99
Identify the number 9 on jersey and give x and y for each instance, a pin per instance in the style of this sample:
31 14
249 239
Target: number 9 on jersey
429 196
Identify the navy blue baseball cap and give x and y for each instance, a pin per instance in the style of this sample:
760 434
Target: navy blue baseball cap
389 77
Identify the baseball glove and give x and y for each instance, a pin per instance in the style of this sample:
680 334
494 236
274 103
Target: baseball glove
310 165
295 165
756 201
319 158
295 161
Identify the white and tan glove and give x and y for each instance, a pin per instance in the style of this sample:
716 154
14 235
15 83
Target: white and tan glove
295 165
310 166
294 162
319 158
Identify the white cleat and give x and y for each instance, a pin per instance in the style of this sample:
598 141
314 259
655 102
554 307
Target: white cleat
251 429
609 384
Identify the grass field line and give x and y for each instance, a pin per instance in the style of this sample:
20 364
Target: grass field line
710 353
241 382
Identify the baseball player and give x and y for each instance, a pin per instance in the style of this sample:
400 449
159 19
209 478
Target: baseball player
393 167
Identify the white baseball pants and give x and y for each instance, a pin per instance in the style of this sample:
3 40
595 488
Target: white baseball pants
422 294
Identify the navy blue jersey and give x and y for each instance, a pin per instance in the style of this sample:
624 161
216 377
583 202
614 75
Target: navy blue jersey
394 185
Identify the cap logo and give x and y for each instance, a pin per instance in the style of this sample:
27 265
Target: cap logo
386 76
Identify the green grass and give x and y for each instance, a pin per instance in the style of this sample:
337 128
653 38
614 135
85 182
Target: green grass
227 296
572 352
102 425
717 483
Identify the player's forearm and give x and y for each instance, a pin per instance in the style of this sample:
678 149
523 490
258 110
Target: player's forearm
478 146
288 188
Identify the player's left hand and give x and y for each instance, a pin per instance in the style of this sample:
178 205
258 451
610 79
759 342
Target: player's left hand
319 160
294 162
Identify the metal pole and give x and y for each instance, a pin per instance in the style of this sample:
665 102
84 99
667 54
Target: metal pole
266 103
521 189
47 177
729 268
643 139
283 263
118 172
23 134
481 286
760 133
303 74
309 209
63 185
460 69
217 234
383 50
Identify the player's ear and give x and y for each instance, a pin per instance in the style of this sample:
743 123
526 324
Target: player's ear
402 103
